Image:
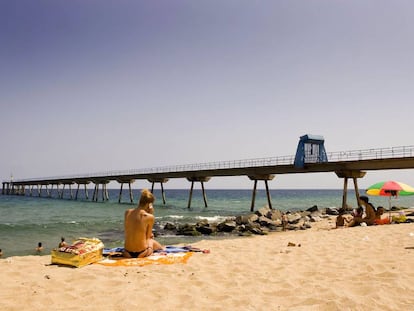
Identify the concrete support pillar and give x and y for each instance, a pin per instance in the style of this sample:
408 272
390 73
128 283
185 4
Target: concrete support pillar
122 181
105 195
265 178
95 192
201 180
161 181
120 193
51 191
62 192
77 191
346 174
131 197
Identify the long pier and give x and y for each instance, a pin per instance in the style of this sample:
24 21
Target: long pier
345 164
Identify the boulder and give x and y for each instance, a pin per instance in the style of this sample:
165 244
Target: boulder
332 211
170 226
312 209
275 215
256 231
204 227
188 229
293 218
227 226
245 219
264 221
264 211
315 218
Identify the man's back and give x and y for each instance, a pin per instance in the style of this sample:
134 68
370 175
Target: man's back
370 214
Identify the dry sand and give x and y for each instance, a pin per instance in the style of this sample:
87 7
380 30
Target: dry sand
361 268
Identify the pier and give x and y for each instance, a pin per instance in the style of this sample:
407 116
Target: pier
345 164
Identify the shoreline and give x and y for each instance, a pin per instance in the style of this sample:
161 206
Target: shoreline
171 237
359 268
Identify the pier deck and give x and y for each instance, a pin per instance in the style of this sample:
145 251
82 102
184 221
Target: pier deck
345 164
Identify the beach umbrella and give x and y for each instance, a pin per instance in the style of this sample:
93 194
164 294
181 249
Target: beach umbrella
390 189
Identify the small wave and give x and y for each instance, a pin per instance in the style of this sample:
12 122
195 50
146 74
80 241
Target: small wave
173 216
8 224
211 218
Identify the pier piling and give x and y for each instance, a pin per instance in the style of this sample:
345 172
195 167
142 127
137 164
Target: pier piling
265 178
201 180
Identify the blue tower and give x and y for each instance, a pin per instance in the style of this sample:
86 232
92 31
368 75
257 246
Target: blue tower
310 150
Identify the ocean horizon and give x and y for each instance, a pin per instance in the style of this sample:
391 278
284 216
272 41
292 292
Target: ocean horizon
27 220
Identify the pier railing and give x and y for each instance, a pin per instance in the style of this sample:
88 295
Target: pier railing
353 155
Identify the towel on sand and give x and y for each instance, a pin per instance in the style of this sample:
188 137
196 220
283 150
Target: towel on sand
157 259
117 251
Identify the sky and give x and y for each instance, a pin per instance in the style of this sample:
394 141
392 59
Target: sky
101 85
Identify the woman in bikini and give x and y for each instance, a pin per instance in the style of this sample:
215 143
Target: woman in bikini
139 240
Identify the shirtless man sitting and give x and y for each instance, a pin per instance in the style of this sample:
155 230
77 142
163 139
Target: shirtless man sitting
138 224
370 213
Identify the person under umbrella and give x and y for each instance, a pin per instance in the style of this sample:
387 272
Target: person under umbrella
370 214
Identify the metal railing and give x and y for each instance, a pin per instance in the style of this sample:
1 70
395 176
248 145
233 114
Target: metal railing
353 155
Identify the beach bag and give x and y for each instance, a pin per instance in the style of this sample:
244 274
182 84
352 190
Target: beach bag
82 252
400 218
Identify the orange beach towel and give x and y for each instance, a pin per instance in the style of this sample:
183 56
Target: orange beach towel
162 259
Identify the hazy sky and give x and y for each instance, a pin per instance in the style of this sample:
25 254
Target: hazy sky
97 85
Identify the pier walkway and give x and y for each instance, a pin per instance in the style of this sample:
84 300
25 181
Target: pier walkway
345 164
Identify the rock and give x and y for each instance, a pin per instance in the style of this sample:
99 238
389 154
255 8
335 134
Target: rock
293 218
264 221
316 214
204 227
253 218
305 213
170 226
277 222
256 231
331 211
291 227
315 218
227 226
275 215
202 222
264 211
245 219
312 209
188 229
241 228
261 222
307 225
252 225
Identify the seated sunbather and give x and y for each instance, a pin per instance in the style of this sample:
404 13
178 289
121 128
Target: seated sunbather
370 213
139 239
341 220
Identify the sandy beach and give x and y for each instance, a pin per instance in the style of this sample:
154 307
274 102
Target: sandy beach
360 268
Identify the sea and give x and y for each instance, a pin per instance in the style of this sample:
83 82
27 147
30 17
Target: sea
27 220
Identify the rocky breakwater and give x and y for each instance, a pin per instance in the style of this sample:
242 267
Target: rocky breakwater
261 222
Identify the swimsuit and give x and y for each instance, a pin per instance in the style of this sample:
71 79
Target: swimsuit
135 254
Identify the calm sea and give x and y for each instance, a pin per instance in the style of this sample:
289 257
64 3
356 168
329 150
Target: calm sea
27 220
